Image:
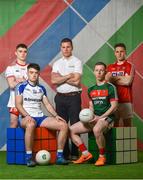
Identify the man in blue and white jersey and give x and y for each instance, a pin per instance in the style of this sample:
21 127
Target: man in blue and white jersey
29 98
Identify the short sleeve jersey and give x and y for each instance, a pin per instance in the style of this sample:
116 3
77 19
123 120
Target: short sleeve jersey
64 67
32 98
17 71
102 96
124 92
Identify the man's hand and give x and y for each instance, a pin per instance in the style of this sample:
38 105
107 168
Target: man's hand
58 118
28 118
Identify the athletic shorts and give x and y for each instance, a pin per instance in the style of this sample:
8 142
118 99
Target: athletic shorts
124 111
39 120
14 110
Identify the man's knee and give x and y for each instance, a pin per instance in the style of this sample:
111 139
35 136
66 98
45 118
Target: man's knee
63 126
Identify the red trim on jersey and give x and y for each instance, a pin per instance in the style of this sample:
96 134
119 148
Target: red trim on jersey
21 64
10 76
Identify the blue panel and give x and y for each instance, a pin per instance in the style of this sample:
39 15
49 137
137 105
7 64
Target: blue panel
89 8
69 25
47 46
10 145
20 133
10 157
20 158
10 133
4 120
20 145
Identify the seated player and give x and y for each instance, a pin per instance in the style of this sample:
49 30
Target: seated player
103 103
29 97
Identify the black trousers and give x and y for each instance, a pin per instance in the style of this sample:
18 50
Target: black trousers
68 107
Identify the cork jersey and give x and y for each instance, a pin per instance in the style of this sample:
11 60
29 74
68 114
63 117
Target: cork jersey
124 92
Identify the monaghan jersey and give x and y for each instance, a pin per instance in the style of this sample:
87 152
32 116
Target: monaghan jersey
102 96
32 98
124 92
17 71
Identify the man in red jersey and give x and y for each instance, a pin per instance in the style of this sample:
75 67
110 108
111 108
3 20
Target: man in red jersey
121 73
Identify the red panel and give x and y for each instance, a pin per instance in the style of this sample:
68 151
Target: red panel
29 27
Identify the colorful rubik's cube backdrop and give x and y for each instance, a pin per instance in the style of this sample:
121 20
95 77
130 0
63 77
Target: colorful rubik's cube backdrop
93 25
44 140
121 145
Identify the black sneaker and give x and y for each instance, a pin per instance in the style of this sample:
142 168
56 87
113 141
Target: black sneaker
61 161
31 163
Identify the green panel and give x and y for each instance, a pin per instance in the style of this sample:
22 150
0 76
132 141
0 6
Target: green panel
11 11
88 78
130 33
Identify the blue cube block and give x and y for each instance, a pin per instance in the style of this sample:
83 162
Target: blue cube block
11 133
10 145
20 145
20 133
11 159
20 158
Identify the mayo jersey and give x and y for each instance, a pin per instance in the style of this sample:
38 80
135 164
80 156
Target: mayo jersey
17 71
32 98
101 97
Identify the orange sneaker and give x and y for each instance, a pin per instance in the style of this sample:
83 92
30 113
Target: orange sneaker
101 161
83 158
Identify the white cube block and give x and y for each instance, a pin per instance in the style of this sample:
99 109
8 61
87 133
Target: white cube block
127 157
127 132
133 144
127 145
134 156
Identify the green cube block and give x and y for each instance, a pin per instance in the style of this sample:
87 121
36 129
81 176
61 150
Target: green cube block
127 132
127 144
133 132
92 146
134 156
95 156
133 144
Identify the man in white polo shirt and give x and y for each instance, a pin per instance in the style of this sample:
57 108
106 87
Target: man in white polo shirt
66 75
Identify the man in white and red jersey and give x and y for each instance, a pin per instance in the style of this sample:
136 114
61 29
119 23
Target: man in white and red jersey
15 74
121 73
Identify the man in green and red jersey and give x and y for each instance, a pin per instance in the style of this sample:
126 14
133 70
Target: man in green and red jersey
103 102
121 73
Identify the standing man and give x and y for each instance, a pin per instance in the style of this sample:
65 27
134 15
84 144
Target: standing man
103 102
15 74
29 98
66 75
121 73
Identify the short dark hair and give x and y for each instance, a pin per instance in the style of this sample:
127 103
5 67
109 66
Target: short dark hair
67 40
21 46
34 66
100 63
120 45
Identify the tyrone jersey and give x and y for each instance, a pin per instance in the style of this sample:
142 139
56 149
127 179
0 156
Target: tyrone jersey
102 96
124 92
17 71
32 98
